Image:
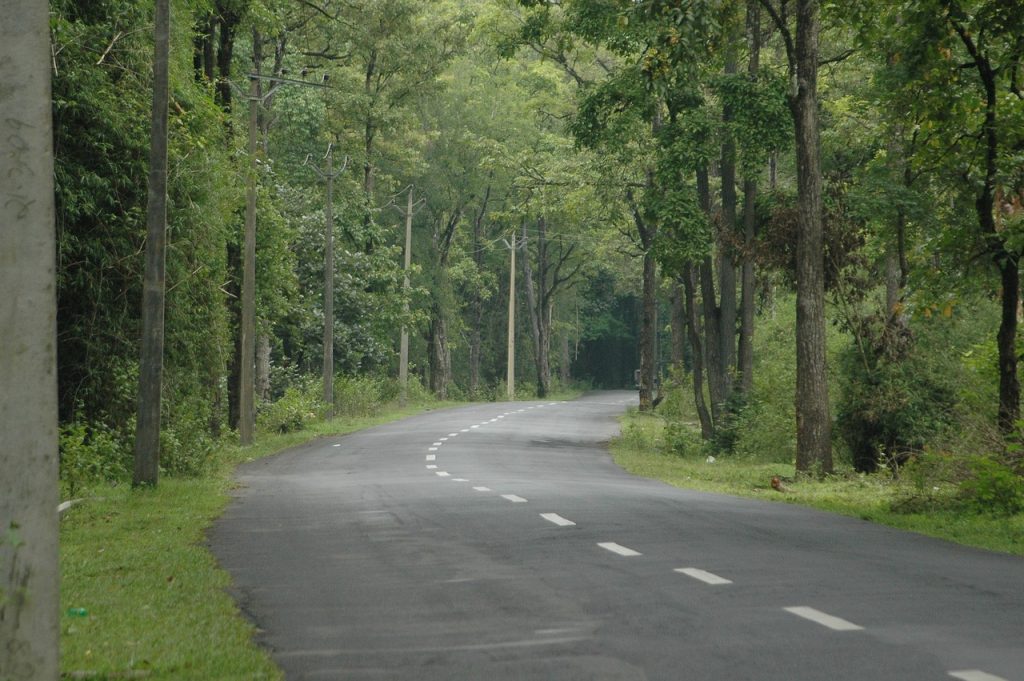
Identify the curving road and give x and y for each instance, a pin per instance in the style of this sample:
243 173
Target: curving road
499 541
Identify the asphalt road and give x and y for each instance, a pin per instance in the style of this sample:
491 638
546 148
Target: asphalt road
499 541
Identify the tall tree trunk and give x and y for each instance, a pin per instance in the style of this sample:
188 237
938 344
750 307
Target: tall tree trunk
151 363
565 362
532 304
814 424
263 368
693 327
440 355
369 136
29 571
648 330
727 265
678 323
477 302
749 282
228 21
203 58
712 324
234 290
1009 386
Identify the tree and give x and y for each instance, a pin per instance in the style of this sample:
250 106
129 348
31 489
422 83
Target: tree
151 365
813 420
29 573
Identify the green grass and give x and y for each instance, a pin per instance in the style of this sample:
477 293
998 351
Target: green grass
155 600
871 498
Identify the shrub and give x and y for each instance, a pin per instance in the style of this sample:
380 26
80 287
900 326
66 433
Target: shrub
91 453
300 404
898 394
992 488
681 439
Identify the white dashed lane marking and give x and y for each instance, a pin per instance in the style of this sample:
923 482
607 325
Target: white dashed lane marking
824 619
618 549
431 466
482 489
975 675
431 449
444 474
514 498
438 444
557 519
337 445
431 457
453 434
459 480
706 577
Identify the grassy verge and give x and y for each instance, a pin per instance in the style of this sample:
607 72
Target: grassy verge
142 597
639 451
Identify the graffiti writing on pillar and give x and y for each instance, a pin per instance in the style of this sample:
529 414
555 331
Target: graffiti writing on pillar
19 171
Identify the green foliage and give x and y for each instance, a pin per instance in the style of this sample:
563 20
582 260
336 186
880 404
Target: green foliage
300 405
896 395
91 454
993 488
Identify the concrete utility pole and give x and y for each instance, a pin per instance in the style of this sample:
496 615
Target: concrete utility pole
403 347
510 379
246 387
329 174
151 356
246 373
29 576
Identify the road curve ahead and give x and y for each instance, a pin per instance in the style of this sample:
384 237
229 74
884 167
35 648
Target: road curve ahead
499 541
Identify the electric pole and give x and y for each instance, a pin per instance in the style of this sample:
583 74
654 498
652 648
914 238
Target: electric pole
329 174
29 569
403 347
510 380
246 373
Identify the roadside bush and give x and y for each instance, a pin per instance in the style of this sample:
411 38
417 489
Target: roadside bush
367 395
91 453
300 404
681 439
992 488
899 392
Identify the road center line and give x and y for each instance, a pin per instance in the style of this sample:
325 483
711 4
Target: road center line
619 549
514 498
557 519
482 489
823 619
704 576
975 675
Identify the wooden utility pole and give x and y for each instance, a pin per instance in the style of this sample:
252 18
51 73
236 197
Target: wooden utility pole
29 575
151 362
328 374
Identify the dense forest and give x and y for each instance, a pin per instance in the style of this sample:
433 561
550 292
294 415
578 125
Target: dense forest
795 229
